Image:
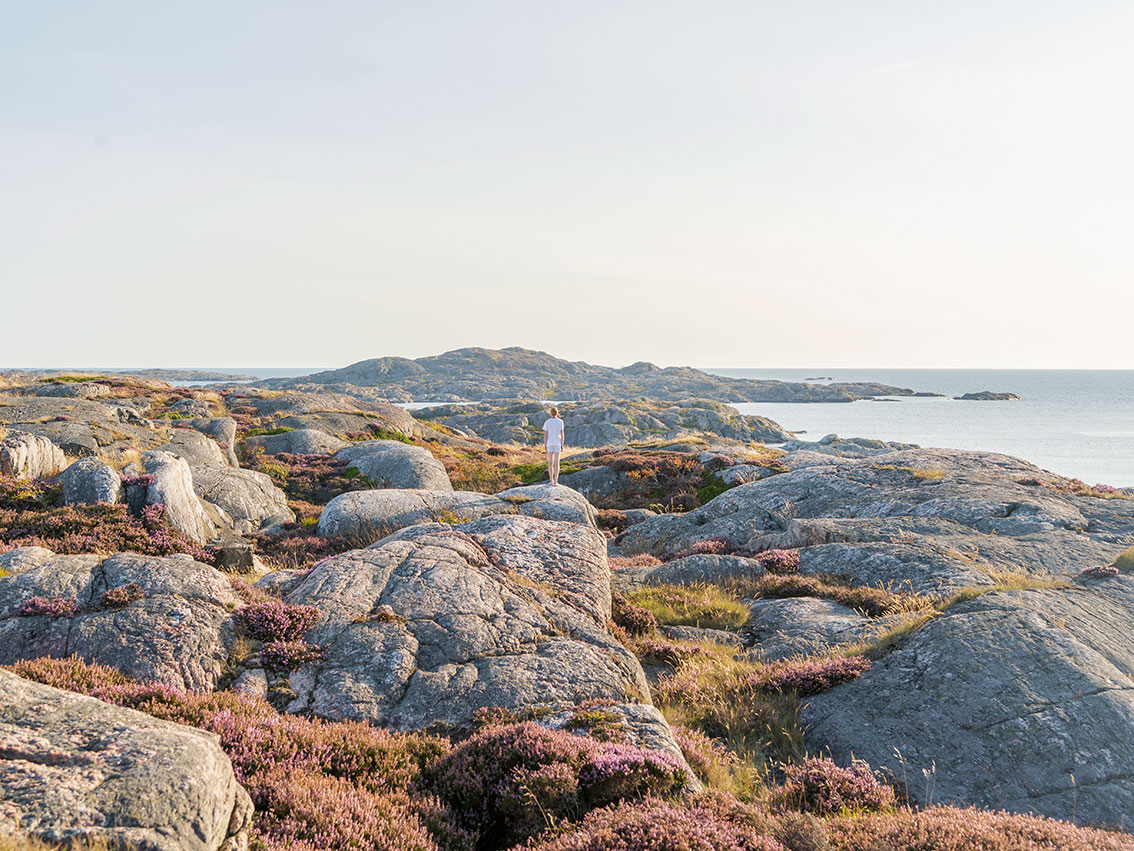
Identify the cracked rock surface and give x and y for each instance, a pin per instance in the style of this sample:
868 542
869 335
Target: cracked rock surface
502 611
1010 696
73 766
179 631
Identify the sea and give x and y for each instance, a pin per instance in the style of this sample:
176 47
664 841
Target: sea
1077 423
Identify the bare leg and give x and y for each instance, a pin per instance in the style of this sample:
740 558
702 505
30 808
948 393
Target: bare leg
553 467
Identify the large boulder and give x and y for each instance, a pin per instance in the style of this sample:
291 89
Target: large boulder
1019 700
173 487
248 497
393 464
551 503
435 622
89 481
75 767
28 456
174 628
198 449
804 626
298 441
374 514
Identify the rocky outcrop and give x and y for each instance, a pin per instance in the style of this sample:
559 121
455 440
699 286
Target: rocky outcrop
1019 700
373 514
75 767
435 622
298 441
930 520
175 628
334 413
516 373
249 498
89 481
986 396
27 456
393 464
590 424
81 427
594 423
173 488
851 447
550 503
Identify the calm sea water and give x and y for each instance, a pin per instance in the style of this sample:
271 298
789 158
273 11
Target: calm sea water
1077 423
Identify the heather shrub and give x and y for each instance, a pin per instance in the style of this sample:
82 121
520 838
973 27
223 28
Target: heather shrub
1100 571
316 784
49 607
122 596
658 825
627 562
286 656
691 605
820 786
807 677
30 515
509 782
779 561
636 620
331 812
274 620
964 829
716 546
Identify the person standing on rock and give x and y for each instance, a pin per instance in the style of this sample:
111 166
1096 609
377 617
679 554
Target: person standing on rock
553 442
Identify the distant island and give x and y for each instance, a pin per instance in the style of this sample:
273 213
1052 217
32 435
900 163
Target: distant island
478 375
986 396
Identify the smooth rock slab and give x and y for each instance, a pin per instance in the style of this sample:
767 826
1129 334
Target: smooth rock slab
393 464
503 611
551 503
299 441
197 448
179 633
72 766
1004 698
89 481
376 513
802 626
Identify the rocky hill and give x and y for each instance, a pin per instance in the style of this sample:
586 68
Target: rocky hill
591 424
477 374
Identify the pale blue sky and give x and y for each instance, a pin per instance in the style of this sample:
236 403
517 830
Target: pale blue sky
712 183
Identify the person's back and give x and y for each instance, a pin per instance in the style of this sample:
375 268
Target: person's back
554 438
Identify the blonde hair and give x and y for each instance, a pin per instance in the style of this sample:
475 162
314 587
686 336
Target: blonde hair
554 411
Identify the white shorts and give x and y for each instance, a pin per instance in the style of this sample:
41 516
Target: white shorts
555 447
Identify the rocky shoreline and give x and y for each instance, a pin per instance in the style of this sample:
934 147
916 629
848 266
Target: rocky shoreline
694 628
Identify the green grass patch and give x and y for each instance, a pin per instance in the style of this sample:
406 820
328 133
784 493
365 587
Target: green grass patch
704 606
266 432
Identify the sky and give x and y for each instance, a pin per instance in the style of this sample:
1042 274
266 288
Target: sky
712 183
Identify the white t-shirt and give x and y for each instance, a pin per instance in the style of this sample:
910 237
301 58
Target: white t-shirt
554 429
